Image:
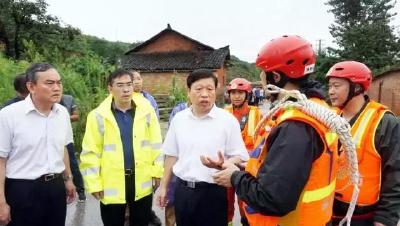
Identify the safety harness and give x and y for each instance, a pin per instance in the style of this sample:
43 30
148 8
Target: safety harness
332 121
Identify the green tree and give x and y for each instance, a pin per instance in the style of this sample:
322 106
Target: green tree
109 51
325 60
243 69
28 20
363 32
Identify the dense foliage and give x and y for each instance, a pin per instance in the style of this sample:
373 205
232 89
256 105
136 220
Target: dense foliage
243 69
83 78
363 32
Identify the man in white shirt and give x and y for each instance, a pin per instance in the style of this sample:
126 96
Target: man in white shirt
201 130
35 177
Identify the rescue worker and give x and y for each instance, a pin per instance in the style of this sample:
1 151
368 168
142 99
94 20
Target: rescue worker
376 133
290 176
239 91
120 159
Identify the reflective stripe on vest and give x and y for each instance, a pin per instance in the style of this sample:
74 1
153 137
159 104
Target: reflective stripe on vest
251 122
315 204
147 184
90 171
318 194
110 192
369 160
156 146
146 143
100 123
109 147
362 128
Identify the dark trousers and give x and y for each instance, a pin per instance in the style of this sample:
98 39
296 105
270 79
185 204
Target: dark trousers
76 173
365 222
139 211
36 202
205 204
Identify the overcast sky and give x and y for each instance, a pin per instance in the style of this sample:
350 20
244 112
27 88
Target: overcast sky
243 25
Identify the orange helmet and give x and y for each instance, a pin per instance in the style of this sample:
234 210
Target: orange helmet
354 71
239 84
289 54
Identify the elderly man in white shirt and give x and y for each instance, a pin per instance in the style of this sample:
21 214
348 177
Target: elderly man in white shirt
201 130
35 178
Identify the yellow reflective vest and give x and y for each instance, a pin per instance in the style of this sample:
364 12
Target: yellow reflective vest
102 157
253 117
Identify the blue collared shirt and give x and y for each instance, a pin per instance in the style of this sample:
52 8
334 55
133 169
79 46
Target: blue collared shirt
125 125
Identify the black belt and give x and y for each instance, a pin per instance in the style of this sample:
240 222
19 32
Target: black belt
129 172
49 177
191 184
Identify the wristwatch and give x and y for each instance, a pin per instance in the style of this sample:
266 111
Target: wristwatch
68 177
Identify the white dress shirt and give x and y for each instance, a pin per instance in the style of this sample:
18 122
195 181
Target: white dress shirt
189 137
33 143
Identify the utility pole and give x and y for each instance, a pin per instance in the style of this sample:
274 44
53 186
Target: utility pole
319 50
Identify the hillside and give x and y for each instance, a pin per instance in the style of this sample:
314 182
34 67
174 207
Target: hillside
240 68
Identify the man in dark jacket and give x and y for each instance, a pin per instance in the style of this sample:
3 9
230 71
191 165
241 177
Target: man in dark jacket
284 164
376 132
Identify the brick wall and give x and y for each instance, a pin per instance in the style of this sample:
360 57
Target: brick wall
169 42
386 90
161 83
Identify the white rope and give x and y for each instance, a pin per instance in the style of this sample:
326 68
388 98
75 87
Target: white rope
332 121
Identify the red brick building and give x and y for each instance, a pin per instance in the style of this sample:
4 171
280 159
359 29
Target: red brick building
170 54
385 88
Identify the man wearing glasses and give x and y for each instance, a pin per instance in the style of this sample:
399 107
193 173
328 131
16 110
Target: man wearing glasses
120 159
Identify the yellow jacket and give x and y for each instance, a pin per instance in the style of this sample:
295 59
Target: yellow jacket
102 158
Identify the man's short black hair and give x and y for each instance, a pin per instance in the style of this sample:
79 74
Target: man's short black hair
200 74
116 74
31 72
20 84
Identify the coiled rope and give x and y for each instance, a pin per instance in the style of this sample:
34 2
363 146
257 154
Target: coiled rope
332 121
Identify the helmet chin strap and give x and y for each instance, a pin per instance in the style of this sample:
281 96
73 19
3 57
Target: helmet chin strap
354 90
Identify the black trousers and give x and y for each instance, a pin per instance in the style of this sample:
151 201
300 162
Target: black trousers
139 211
36 202
200 205
366 222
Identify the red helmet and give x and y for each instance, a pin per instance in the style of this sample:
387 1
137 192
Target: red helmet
239 84
290 54
354 71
